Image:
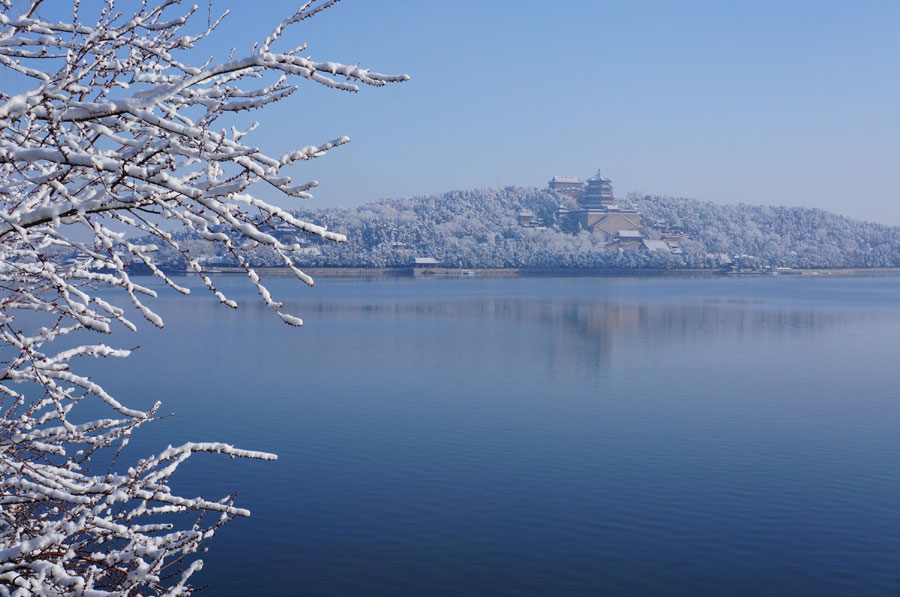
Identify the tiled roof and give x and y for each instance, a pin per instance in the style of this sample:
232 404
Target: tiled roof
656 245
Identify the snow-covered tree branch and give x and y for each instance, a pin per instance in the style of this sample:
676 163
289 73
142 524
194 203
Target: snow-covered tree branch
118 136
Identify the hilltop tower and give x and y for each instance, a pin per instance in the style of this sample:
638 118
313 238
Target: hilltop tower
598 194
599 213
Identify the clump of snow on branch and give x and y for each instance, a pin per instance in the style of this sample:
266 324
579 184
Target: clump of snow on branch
116 138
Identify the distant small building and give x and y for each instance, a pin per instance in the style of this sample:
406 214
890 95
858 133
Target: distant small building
629 235
606 223
528 220
656 245
426 262
570 186
626 239
425 265
285 233
674 240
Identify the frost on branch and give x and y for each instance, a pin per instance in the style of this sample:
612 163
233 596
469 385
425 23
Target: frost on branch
116 138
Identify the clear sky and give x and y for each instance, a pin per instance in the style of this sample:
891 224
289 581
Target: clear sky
777 102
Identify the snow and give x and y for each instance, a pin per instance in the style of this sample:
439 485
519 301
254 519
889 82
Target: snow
121 140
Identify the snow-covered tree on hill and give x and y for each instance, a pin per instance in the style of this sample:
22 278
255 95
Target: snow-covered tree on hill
478 228
117 134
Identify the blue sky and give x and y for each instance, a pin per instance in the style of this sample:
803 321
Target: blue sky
780 102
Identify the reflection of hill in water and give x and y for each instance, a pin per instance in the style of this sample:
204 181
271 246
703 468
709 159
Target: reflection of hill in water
608 317
584 333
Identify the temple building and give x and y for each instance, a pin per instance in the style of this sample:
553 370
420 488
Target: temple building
607 223
597 211
616 224
570 186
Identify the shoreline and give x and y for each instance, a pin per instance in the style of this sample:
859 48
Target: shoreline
356 272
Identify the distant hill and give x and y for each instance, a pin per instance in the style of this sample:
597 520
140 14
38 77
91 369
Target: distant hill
780 236
479 229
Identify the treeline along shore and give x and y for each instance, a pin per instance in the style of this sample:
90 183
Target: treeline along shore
524 231
398 272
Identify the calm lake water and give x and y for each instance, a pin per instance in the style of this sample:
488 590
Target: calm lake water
560 436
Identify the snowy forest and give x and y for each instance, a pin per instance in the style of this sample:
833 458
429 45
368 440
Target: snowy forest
479 229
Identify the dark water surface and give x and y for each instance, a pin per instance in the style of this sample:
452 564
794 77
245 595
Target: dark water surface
568 436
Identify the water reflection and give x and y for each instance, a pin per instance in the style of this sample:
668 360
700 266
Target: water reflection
575 335
560 336
506 438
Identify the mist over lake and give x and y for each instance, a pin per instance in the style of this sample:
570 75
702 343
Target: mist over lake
629 436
